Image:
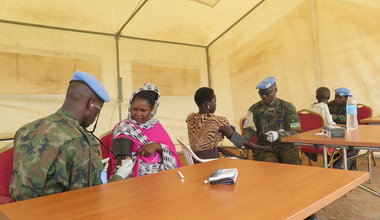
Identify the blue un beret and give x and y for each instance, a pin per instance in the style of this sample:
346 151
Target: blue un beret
266 83
92 82
342 91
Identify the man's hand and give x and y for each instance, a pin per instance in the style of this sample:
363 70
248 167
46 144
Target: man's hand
149 149
272 136
252 146
125 169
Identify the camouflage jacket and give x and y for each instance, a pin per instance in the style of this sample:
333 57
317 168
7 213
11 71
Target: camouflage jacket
283 119
338 112
53 154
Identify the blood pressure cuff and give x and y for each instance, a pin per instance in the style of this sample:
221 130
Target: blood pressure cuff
237 140
122 147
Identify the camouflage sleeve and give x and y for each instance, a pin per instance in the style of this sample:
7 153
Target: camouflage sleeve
77 166
60 174
70 169
38 177
292 124
248 133
337 112
339 118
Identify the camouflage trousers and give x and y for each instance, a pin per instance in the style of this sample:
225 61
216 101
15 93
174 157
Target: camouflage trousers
283 153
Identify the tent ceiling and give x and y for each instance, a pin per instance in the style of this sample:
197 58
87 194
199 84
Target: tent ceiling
100 15
196 22
183 21
187 21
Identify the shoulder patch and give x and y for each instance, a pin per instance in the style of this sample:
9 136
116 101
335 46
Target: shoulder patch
295 126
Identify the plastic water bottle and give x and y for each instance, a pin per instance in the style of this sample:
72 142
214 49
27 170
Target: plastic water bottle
352 112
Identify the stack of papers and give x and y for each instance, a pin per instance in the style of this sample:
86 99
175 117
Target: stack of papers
224 176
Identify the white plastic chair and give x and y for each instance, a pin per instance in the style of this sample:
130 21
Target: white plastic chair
190 155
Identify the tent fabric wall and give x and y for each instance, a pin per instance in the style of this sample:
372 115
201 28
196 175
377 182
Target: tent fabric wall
349 47
284 47
173 109
304 43
256 48
18 110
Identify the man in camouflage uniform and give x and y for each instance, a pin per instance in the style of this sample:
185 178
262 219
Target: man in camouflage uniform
273 119
56 154
337 108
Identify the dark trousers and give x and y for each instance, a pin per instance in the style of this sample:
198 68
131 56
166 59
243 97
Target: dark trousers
351 164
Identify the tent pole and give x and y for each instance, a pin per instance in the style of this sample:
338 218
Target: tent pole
55 28
314 33
94 32
161 41
119 79
208 68
130 17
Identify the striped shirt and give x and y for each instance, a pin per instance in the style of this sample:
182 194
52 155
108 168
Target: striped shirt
203 130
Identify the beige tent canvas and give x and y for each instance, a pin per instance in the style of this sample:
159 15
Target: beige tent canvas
182 45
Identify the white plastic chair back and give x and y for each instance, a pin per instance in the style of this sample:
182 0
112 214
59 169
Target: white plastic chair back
190 155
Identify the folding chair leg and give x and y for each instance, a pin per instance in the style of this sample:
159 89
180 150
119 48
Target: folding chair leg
373 158
369 167
331 161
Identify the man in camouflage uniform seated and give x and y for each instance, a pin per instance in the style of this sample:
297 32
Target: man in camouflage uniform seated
337 108
273 119
56 154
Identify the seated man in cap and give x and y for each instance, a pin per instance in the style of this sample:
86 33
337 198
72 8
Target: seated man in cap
337 109
56 153
273 118
337 106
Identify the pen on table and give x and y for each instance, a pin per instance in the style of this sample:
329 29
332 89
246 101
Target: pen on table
181 175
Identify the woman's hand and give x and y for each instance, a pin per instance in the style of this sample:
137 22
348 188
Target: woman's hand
149 149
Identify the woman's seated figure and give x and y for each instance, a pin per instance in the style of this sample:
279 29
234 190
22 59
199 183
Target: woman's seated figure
142 137
206 130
